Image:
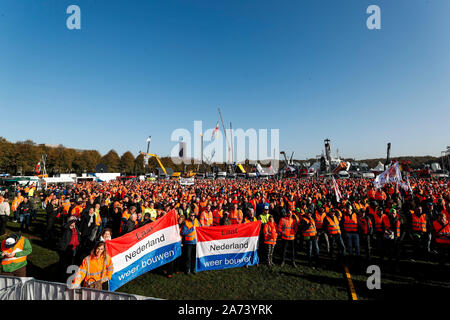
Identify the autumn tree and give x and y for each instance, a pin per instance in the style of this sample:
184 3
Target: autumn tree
127 163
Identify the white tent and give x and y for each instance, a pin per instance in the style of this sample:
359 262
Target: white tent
379 167
52 180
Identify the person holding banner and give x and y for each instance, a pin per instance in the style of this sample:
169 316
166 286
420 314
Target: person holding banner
95 270
190 242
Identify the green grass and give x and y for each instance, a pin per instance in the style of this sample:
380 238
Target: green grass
262 283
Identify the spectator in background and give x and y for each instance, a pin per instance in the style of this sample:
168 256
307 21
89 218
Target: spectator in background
68 246
4 214
52 210
24 210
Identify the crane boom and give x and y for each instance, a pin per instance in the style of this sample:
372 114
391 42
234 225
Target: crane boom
157 159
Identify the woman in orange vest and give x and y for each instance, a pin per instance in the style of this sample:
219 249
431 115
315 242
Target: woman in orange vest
96 269
189 242
270 239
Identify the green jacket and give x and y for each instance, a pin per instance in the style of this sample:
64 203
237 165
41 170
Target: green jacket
16 266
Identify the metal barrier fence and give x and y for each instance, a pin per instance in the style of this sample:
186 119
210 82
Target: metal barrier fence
15 288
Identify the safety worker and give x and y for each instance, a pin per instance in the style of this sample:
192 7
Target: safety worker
15 249
250 216
331 225
309 233
270 239
381 225
365 228
318 216
264 216
96 269
217 214
206 217
350 227
287 228
189 242
419 222
236 215
441 236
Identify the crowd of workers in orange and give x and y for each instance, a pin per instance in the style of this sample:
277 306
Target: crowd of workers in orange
296 215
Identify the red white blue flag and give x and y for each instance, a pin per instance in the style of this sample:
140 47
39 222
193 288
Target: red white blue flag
224 247
144 249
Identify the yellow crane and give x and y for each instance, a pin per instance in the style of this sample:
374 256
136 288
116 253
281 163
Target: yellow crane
175 175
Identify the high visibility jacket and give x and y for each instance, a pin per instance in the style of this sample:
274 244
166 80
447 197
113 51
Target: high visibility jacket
217 215
236 216
125 216
264 218
311 230
291 205
270 233
372 212
318 219
350 223
93 269
206 218
191 236
17 248
419 224
441 233
76 211
66 208
333 225
287 227
16 202
372 194
380 221
365 225
247 220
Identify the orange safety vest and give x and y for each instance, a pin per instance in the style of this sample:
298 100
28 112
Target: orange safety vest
318 219
287 228
442 234
193 235
17 248
311 231
350 223
397 228
379 222
93 269
236 216
419 224
333 225
206 218
372 211
365 223
246 220
217 215
270 233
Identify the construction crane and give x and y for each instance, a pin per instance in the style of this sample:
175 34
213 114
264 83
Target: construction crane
157 159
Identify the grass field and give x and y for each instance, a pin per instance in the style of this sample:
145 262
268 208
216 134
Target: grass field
260 283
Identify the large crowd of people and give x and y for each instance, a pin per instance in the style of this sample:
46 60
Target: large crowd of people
297 215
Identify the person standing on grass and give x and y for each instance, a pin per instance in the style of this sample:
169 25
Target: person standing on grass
24 210
331 225
4 214
270 239
287 228
309 233
53 210
68 245
15 249
189 242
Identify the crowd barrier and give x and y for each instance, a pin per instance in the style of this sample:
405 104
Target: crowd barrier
15 288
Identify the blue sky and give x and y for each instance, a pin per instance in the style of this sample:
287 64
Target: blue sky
311 69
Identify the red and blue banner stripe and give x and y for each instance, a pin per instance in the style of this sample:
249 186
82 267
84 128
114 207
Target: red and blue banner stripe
224 247
144 249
